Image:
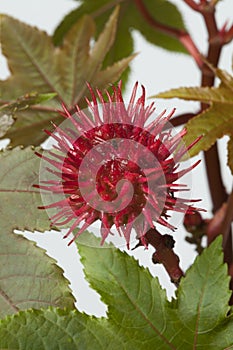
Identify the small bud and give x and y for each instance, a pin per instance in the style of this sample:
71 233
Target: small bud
193 221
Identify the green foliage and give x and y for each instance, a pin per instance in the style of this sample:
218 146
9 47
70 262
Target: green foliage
129 19
214 122
29 278
36 65
54 329
139 314
36 306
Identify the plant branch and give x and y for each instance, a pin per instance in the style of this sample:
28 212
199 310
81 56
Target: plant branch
217 39
164 253
221 224
182 118
192 4
216 186
227 36
228 218
217 189
40 108
179 34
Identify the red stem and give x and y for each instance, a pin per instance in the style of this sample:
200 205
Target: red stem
164 254
182 118
179 34
216 186
226 226
217 39
192 4
228 35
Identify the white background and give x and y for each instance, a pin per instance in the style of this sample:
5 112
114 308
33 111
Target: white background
157 70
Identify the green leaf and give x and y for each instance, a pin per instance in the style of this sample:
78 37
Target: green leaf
139 308
29 278
58 329
135 300
129 18
139 315
18 199
214 122
163 12
37 65
203 298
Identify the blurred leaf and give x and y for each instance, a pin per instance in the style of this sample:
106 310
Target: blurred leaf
36 65
139 314
165 13
214 122
129 18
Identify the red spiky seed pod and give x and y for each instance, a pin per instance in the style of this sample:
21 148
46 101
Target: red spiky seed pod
111 164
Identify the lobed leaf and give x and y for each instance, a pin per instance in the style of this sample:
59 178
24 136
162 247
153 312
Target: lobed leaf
139 314
129 18
37 65
161 10
138 305
215 121
203 300
29 278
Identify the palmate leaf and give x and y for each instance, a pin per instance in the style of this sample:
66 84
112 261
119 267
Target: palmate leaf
139 315
37 65
28 277
129 18
214 122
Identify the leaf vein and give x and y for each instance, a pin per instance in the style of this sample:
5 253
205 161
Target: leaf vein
143 314
8 300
